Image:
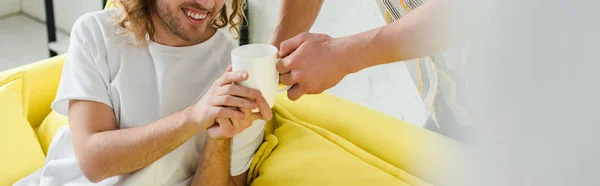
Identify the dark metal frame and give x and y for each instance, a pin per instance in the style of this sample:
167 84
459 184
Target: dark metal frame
50 25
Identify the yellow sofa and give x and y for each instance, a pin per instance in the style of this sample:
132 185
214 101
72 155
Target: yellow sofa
36 87
317 140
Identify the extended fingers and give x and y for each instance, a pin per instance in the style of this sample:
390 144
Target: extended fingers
232 101
231 77
246 96
222 112
240 91
222 130
290 45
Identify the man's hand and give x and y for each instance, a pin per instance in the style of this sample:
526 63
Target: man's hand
311 63
217 130
217 111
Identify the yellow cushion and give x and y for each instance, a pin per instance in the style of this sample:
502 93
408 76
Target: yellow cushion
49 127
324 140
20 152
41 82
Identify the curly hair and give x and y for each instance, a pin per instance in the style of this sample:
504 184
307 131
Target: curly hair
137 18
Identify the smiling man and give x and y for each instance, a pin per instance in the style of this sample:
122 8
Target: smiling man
151 100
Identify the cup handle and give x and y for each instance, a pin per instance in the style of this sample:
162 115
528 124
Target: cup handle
286 88
282 89
277 80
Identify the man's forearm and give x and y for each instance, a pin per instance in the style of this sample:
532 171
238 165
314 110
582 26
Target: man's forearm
123 151
295 17
424 31
214 165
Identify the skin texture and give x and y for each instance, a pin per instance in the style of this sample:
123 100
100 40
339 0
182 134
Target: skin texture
295 17
172 27
313 63
104 151
216 171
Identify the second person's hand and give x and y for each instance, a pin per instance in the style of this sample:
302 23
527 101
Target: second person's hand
312 63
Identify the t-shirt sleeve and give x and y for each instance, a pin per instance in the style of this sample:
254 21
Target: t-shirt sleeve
244 146
82 77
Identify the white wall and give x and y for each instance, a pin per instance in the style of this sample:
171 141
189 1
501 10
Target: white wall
337 18
34 8
8 7
65 11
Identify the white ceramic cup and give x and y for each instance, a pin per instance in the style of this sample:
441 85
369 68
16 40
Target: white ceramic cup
258 60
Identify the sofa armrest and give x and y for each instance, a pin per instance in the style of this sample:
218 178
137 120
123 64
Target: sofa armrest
41 81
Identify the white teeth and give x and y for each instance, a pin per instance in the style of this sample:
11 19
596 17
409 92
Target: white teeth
195 15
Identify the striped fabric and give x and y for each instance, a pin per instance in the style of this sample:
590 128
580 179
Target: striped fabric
437 77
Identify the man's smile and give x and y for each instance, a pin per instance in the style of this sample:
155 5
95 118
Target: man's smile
195 16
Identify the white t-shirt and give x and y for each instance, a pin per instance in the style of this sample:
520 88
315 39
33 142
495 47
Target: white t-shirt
141 84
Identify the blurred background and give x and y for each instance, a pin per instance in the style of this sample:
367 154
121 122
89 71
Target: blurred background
386 88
